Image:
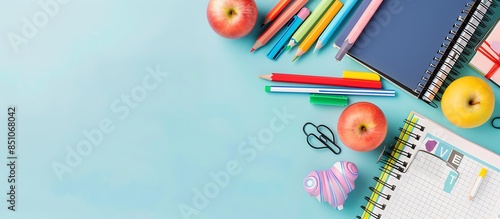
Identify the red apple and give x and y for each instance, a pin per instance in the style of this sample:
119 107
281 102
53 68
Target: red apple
232 18
362 126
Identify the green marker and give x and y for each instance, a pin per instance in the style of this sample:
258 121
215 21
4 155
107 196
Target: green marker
328 99
309 23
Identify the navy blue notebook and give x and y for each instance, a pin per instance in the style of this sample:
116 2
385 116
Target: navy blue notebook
416 43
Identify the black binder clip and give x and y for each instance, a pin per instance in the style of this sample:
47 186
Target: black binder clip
326 137
493 123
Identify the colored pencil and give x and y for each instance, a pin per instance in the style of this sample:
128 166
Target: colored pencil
275 11
332 27
318 29
278 24
329 90
308 24
321 80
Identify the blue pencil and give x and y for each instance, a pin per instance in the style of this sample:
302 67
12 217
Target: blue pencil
290 29
330 30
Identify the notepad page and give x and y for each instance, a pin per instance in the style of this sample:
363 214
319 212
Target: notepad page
426 191
437 184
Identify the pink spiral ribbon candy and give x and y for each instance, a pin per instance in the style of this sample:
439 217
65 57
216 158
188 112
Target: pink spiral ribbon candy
332 185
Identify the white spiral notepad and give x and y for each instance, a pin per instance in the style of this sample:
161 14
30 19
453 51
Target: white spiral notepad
430 172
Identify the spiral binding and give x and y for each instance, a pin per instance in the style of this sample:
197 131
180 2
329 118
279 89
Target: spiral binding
394 163
460 41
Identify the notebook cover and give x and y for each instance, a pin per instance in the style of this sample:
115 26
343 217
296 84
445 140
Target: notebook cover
403 37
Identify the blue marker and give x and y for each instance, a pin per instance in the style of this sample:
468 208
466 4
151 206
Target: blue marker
291 27
330 30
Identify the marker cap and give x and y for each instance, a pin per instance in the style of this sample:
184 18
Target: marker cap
303 13
482 173
370 76
328 99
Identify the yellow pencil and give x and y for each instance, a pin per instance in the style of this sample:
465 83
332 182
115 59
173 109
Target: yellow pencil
318 29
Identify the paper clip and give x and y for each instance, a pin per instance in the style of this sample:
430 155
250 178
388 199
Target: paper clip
323 137
493 123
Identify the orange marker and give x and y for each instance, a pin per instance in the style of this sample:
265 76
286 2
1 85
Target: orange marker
275 11
279 23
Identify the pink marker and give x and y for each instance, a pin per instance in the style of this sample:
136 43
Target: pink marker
358 28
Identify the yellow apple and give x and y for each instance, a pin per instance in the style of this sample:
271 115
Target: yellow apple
468 102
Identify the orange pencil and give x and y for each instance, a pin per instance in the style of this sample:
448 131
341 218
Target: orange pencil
275 11
279 23
318 29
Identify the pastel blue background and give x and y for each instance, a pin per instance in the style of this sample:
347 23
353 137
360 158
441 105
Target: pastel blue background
71 73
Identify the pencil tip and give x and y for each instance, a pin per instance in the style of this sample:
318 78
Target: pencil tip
262 25
319 45
268 77
287 48
252 50
315 49
295 58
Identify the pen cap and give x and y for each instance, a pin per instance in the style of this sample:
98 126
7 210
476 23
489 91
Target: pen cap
303 13
482 173
328 99
370 76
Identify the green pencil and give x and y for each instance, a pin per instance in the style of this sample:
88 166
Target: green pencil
309 23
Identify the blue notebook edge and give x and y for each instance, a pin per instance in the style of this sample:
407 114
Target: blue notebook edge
411 90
